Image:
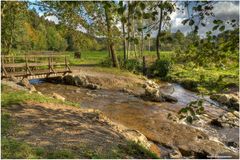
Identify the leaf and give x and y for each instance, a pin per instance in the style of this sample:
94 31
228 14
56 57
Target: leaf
192 111
142 6
195 28
203 24
215 21
222 28
189 119
139 29
200 102
185 21
146 15
191 22
136 41
215 27
183 110
121 3
201 109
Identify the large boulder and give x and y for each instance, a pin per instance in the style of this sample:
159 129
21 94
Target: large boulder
59 97
228 119
58 79
152 93
169 98
230 100
81 80
25 83
13 79
69 79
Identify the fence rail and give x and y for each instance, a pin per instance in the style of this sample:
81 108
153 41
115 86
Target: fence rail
30 65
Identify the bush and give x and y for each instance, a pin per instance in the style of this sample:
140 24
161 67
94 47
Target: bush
132 65
160 68
106 63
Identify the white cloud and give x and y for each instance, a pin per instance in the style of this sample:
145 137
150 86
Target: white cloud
221 10
226 10
53 19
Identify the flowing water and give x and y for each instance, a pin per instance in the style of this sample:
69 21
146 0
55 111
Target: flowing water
148 117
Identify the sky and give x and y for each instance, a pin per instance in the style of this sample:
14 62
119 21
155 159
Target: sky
222 10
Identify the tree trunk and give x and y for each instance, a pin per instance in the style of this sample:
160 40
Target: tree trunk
124 44
142 44
110 41
128 31
158 35
149 44
109 51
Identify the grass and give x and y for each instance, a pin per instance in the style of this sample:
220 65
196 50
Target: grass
87 57
10 96
207 80
16 149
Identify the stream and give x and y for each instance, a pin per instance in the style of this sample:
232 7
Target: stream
150 118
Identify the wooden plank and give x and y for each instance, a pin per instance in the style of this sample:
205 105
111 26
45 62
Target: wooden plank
32 56
17 65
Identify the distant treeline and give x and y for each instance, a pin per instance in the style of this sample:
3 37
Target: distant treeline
24 29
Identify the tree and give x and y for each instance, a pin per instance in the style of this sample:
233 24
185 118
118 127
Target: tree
11 14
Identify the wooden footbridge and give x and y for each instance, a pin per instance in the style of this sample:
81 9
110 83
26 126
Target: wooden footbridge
34 66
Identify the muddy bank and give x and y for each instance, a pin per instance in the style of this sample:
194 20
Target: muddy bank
173 139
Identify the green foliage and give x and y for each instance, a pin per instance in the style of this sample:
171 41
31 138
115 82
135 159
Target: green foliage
191 112
132 65
54 40
160 68
211 49
205 79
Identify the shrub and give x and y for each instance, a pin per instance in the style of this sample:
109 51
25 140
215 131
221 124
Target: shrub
106 63
132 65
160 68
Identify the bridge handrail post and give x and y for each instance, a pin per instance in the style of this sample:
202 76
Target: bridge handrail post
26 61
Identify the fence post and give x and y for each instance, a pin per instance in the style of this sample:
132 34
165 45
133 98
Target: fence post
49 64
26 61
144 66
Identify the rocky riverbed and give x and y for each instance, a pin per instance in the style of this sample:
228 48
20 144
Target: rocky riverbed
175 139
143 106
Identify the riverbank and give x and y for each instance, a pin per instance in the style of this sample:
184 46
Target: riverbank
117 98
36 126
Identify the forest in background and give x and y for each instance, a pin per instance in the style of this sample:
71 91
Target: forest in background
119 34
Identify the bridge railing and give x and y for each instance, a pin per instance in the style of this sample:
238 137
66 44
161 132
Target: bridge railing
24 65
